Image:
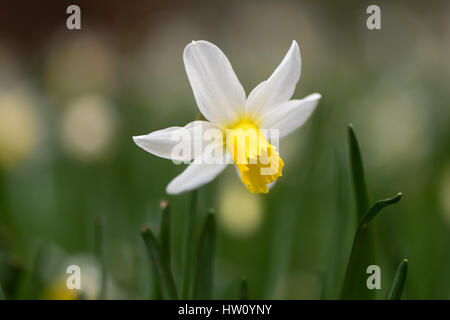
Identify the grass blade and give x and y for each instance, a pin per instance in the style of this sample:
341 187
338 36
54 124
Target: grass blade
163 273
189 233
205 260
395 292
363 249
354 286
376 208
243 289
164 239
359 181
362 254
340 239
164 234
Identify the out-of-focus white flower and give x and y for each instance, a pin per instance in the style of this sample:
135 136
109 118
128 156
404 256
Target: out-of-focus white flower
80 65
444 194
240 213
19 126
88 126
240 121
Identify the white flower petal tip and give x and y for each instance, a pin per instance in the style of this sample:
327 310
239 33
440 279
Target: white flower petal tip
139 141
279 87
174 142
295 51
154 143
312 97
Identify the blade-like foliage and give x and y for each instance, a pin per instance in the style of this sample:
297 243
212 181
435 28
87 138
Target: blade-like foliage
395 292
164 240
357 168
205 260
362 254
164 234
163 272
188 245
380 204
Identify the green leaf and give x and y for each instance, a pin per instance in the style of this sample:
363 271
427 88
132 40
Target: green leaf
359 181
243 289
362 254
205 260
164 234
339 241
354 286
395 292
188 247
164 239
376 208
163 273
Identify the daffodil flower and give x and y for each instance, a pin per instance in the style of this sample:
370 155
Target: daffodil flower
243 121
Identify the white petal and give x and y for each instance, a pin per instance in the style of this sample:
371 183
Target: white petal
165 143
196 174
290 115
217 90
279 87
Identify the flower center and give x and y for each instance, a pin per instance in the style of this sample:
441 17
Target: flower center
257 160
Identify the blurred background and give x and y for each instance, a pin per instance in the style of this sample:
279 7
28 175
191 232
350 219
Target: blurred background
70 101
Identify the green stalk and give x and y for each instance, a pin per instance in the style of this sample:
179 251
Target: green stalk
164 233
359 181
188 245
205 261
363 253
376 208
164 240
162 271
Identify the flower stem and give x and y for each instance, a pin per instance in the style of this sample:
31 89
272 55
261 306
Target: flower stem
163 272
203 288
189 233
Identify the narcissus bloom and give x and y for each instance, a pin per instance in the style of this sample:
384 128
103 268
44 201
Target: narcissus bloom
237 130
